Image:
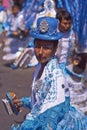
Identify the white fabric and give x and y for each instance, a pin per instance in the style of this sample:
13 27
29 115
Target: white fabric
65 47
78 94
48 90
3 16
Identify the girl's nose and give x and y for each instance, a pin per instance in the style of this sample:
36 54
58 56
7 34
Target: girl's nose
41 50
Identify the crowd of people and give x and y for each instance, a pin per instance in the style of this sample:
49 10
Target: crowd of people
41 34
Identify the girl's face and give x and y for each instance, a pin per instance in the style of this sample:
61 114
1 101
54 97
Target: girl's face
44 50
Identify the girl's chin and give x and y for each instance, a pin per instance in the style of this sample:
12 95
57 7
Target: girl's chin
43 62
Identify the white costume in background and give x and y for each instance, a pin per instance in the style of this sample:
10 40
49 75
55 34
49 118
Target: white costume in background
78 89
65 48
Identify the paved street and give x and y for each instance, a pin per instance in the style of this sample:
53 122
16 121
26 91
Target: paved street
18 81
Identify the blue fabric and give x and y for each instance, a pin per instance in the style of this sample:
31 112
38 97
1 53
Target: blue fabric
6 25
31 43
1 28
26 102
61 117
50 118
2 8
31 8
62 65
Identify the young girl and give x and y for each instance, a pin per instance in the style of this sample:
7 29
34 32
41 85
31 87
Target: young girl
49 101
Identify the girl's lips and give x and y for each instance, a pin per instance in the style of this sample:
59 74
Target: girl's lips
40 58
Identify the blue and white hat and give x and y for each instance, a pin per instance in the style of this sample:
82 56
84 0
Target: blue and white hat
47 29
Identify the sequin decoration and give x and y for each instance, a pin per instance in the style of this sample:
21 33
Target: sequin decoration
44 26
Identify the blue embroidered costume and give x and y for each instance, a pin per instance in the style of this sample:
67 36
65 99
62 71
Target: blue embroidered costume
50 107
50 101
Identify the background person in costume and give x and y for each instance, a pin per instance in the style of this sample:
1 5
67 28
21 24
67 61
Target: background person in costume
77 80
26 58
82 53
47 10
49 101
66 45
78 71
77 86
77 9
15 36
3 18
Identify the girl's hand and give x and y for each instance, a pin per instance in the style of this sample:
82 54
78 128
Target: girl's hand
18 103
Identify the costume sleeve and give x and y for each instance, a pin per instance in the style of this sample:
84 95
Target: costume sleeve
3 16
26 102
7 23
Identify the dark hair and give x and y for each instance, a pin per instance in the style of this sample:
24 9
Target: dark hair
80 68
15 6
62 13
54 41
19 3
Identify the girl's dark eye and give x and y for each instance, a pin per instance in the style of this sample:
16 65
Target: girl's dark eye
37 46
44 47
47 47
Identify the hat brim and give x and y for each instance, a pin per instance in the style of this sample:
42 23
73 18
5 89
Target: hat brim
69 68
43 36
